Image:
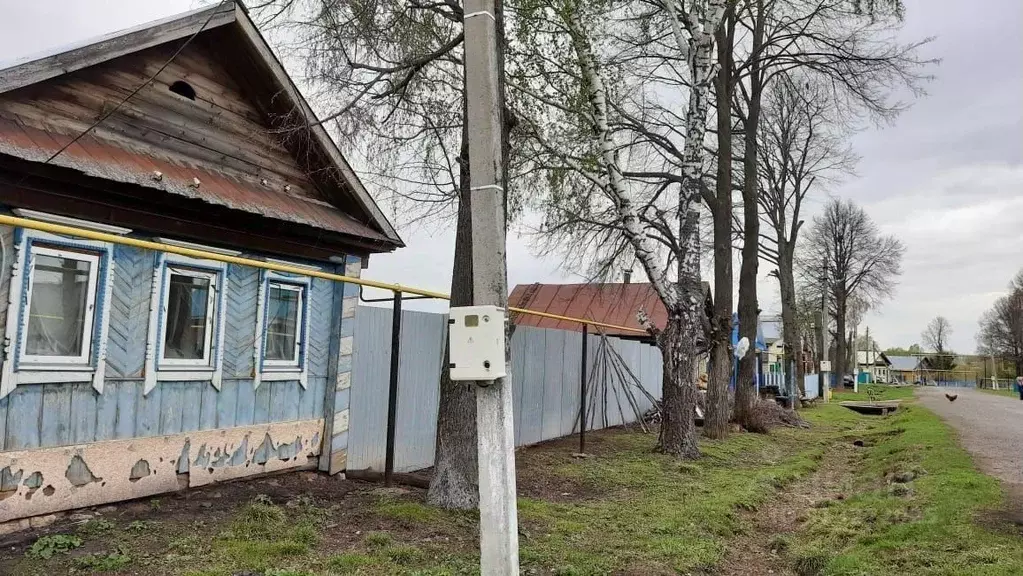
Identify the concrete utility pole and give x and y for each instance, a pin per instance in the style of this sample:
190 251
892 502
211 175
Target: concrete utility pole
499 535
824 368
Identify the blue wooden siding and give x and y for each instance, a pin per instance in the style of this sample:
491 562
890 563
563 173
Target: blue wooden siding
45 415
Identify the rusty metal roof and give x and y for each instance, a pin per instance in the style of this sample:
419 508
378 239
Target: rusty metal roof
116 160
100 158
609 303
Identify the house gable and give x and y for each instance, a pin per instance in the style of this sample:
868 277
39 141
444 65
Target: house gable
219 122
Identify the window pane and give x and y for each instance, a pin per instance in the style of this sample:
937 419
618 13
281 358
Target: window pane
56 314
187 302
282 324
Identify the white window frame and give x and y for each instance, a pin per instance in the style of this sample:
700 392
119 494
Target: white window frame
282 370
158 368
18 369
296 358
206 362
83 360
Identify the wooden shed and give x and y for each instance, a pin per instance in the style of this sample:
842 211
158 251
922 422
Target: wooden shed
128 372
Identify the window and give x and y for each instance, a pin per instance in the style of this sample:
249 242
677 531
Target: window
190 303
57 325
282 321
186 321
61 303
283 325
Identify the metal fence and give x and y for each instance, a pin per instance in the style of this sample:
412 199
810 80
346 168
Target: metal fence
545 383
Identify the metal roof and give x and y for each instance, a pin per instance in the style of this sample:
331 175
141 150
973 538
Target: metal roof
609 303
904 363
771 329
104 159
99 158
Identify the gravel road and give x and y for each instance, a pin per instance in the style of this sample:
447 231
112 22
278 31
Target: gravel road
990 427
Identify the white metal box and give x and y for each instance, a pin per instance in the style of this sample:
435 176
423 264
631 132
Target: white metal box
476 335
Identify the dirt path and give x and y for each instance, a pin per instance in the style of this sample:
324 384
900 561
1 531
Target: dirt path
990 428
754 553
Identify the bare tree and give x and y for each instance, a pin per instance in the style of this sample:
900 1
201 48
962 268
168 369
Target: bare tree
1001 327
389 76
935 336
802 149
610 196
845 249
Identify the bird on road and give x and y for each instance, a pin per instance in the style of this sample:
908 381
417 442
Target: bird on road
951 397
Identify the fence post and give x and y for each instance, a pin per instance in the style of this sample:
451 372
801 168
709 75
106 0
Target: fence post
392 393
582 394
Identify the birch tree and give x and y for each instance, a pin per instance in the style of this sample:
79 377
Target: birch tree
605 179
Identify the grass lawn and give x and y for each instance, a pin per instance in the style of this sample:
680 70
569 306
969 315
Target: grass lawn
625 510
918 506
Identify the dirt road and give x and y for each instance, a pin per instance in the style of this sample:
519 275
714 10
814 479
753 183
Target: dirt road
990 428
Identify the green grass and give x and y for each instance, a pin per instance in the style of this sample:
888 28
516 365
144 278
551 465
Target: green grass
657 513
928 526
627 510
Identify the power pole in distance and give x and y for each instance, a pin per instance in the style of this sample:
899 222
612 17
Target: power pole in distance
499 536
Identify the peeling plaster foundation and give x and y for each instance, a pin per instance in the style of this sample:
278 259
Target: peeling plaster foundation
105 472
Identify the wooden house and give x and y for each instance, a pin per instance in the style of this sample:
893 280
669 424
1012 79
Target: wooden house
127 372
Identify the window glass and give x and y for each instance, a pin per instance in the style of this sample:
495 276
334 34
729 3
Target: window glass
188 299
58 308
284 306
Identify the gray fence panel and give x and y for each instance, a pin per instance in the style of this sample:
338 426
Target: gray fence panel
554 357
570 382
545 385
370 368
422 340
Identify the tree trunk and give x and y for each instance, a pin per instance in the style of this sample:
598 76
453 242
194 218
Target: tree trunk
455 482
841 346
790 332
745 393
719 409
678 351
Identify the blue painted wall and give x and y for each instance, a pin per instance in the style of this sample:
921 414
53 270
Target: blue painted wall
46 415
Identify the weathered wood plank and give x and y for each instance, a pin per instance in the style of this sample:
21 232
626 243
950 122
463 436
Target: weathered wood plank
191 405
83 413
147 412
55 424
228 404
246 412
171 406
129 311
117 44
106 409
208 407
261 415
25 406
240 320
127 407
4 402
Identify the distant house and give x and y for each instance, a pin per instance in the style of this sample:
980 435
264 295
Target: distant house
773 358
873 366
907 369
129 371
610 303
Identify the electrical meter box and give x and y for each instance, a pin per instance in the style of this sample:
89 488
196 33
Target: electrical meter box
476 335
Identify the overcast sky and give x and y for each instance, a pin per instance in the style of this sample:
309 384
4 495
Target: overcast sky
947 178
